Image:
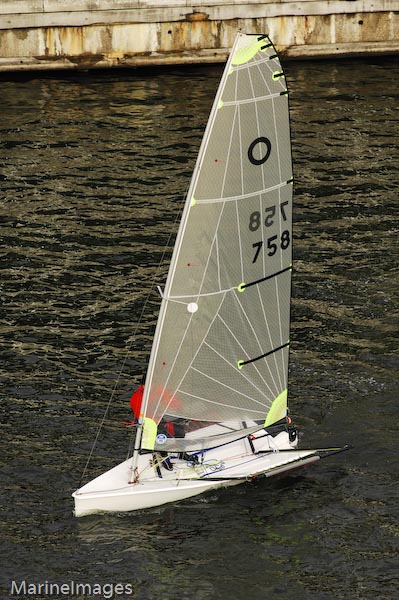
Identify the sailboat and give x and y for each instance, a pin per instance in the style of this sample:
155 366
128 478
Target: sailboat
214 405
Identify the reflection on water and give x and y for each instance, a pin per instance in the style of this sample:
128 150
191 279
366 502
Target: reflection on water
93 171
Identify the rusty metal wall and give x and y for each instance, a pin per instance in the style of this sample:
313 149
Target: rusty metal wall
48 34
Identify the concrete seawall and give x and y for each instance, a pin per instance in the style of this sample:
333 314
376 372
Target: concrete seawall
73 34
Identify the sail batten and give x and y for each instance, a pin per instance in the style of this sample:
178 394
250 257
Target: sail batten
266 278
252 360
226 300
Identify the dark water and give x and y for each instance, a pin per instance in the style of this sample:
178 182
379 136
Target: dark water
93 171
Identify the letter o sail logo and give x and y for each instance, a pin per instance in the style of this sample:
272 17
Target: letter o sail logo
262 148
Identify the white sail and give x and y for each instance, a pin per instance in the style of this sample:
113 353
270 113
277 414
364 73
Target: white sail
220 350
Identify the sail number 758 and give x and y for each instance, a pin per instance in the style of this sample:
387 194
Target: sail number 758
255 217
273 242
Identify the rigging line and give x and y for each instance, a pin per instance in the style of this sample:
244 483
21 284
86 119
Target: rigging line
121 370
219 445
257 370
257 340
224 468
224 426
254 459
243 196
247 362
244 376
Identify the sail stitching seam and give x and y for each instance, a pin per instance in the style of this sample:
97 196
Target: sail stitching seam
248 195
252 410
251 100
243 196
242 374
243 286
242 187
266 321
254 63
260 348
225 385
236 120
279 190
184 222
195 355
202 282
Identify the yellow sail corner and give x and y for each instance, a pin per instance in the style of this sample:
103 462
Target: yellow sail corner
278 409
149 434
246 53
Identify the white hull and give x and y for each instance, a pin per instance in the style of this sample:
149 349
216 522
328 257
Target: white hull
225 466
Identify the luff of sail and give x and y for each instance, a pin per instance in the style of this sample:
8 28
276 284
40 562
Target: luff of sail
220 351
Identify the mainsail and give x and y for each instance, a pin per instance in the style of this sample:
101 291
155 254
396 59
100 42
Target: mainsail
220 351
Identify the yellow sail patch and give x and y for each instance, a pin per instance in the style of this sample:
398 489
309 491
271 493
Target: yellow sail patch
243 55
278 409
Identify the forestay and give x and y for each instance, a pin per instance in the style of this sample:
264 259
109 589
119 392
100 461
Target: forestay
220 351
